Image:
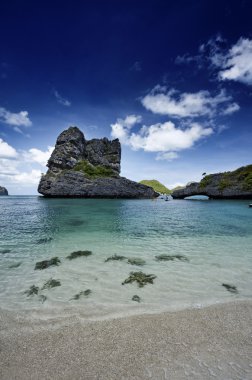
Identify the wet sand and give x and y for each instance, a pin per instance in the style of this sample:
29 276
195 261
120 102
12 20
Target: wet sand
210 343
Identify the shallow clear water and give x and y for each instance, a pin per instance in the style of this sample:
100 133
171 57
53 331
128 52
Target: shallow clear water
215 236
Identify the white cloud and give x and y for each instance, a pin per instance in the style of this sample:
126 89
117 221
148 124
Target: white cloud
163 138
169 156
27 178
234 63
120 129
183 105
6 150
20 119
8 167
22 167
38 156
231 108
61 100
237 63
167 138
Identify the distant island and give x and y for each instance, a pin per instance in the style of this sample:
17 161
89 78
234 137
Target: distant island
156 186
235 184
88 169
3 191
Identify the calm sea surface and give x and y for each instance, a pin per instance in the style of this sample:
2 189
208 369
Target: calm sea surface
215 237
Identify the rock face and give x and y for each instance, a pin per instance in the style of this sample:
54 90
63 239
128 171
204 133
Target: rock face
229 185
3 191
88 169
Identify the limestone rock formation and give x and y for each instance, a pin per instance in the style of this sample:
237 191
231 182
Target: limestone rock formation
235 184
88 169
3 191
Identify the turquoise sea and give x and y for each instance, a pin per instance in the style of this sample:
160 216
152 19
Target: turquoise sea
215 237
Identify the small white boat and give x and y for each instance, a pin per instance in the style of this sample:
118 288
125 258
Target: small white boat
250 205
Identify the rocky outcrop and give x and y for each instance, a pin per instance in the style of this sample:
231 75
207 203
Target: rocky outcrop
229 185
88 169
3 191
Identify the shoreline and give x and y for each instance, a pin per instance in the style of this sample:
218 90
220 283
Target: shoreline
210 342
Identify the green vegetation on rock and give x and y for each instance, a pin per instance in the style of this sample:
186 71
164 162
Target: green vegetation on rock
205 182
156 186
92 171
76 254
241 177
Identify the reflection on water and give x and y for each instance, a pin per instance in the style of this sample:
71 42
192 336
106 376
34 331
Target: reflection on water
215 236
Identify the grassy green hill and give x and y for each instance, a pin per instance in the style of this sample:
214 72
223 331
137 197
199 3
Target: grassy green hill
156 185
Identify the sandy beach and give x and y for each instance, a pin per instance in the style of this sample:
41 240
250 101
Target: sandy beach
208 343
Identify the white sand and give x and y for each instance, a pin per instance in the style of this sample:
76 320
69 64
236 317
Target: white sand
210 343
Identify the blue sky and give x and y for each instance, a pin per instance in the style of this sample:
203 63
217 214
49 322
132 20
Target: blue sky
171 79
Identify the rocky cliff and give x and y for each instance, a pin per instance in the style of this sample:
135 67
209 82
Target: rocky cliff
3 191
229 185
88 169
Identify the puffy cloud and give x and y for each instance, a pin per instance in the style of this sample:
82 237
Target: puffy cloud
37 155
167 138
8 167
20 119
27 178
163 138
6 150
22 167
237 63
186 104
120 129
61 100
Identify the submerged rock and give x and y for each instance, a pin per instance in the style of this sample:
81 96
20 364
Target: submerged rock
82 293
76 254
136 298
75 222
230 288
3 191
42 298
136 261
51 283
88 169
33 290
4 251
44 240
115 257
54 261
141 278
235 184
171 258
15 265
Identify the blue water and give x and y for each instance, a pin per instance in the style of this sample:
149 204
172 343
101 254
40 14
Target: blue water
215 236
